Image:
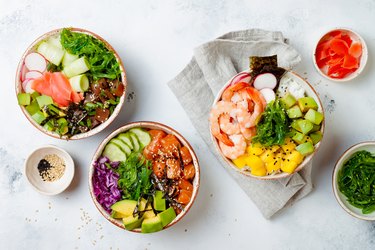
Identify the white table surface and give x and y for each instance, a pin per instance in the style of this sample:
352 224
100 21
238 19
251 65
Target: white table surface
155 39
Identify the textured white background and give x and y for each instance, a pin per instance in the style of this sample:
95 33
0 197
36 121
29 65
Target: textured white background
155 40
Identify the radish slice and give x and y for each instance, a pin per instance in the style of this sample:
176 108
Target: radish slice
35 61
241 77
266 80
26 85
268 94
33 74
23 72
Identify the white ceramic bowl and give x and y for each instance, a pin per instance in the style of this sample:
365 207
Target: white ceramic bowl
148 125
355 36
341 198
91 132
309 92
32 173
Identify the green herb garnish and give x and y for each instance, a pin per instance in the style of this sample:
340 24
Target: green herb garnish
273 126
103 63
356 180
134 180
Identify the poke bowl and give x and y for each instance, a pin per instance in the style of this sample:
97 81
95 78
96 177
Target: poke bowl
70 83
340 55
144 177
267 122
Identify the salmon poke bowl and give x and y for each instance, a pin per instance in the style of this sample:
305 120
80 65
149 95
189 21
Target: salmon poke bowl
267 122
70 83
144 177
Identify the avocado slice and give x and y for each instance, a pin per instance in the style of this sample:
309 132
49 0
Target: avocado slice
305 148
316 137
44 100
167 216
117 215
33 107
294 112
305 125
131 222
149 212
125 207
159 201
314 116
288 100
24 99
306 103
151 225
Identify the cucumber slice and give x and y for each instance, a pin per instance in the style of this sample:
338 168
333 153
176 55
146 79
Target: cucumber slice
68 58
143 136
77 67
114 153
125 148
126 139
55 40
51 52
79 83
135 141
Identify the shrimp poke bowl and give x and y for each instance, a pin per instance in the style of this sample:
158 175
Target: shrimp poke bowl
70 83
144 177
267 122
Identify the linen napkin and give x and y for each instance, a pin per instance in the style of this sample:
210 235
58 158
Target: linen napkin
212 65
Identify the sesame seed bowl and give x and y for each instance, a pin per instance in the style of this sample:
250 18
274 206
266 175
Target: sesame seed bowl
49 170
167 170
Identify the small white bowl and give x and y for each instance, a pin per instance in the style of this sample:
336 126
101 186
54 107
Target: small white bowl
362 63
341 198
32 173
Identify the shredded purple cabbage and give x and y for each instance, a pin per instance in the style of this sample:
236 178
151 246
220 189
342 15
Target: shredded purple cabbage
105 183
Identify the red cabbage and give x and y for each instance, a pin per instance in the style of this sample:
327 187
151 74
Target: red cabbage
105 183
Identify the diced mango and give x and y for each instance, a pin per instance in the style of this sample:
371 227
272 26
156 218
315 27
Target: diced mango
254 150
289 146
294 156
288 166
267 156
274 148
254 162
240 162
259 171
274 165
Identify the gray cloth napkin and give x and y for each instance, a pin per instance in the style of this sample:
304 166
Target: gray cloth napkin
213 64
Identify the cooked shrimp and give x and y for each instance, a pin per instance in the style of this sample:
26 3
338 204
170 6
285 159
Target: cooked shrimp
246 118
229 92
221 108
229 125
235 151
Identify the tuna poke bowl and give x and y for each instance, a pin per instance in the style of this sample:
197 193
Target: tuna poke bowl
144 177
267 122
70 83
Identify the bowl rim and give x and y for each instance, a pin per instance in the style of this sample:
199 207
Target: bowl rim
145 124
338 165
70 166
306 161
99 128
353 74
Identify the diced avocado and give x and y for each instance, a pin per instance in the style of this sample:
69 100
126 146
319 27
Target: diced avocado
298 137
151 225
159 201
149 212
306 103
117 215
294 112
33 107
315 128
34 95
114 153
63 126
295 125
49 125
305 126
38 117
314 116
44 100
24 99
125 207
288 100
122 145
316 137
131 222
305 148
167 216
